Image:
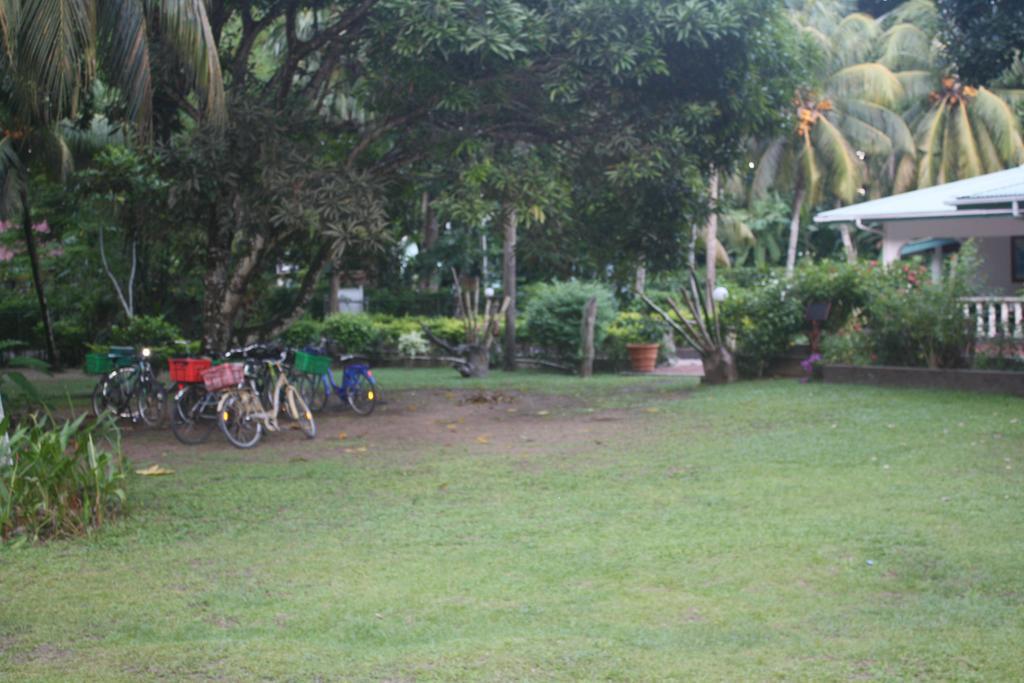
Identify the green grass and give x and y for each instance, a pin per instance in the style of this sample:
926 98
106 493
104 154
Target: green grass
766 530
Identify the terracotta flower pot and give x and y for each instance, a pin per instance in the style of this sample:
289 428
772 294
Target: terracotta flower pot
643 356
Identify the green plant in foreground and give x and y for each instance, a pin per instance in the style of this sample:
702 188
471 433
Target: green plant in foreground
60 480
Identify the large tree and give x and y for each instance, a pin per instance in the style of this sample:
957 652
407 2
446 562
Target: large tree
50 54
982 37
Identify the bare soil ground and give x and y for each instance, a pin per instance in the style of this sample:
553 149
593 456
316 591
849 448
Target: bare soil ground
411 422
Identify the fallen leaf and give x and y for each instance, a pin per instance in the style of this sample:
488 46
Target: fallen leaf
452 426
154 471
482 439
513 410
361 449
341 436
543 412
652 410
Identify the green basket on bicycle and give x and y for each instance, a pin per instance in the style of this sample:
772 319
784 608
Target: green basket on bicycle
98 364
311 363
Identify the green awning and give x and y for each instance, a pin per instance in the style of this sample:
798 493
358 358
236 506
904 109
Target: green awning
928 245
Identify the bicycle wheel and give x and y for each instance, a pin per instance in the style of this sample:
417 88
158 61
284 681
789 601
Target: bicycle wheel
362 394
313 391
152 404
114 392
299 411
193 414
237 422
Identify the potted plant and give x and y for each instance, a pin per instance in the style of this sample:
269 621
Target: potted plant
643 339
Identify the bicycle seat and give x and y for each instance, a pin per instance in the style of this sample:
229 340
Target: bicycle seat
349 357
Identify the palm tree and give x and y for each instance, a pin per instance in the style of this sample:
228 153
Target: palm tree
50 52
962 132
847 129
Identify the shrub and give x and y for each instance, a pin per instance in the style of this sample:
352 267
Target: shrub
145 330
631 327
914 322
555 314
413 344
303 332
846 286
353 332
60 480
765 318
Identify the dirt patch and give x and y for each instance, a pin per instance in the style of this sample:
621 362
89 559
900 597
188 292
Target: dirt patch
411 424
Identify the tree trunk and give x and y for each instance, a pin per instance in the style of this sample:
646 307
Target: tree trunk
848 245
508 283
587 330
478 359
640 283
794 231
431 231
711 234
37 278
719 367
216 330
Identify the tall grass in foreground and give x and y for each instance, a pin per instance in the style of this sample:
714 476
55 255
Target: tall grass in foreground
59 479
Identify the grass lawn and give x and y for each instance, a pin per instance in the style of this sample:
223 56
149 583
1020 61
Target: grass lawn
537 527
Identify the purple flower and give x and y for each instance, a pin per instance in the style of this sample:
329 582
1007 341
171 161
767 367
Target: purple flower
5 226
42 228
5 254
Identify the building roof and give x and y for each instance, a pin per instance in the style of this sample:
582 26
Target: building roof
989 194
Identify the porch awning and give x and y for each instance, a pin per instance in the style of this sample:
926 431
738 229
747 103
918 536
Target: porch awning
926 246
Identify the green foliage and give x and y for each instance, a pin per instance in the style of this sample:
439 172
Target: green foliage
390 328
411 344
352 332
765 317
555 314
303 332
845 286
914 322
60 480
631 327
850 345
145 330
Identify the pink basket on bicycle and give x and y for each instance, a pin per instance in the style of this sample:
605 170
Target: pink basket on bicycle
223 376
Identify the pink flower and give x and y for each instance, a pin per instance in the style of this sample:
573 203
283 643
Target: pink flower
5 226
5 254
57 251
42 228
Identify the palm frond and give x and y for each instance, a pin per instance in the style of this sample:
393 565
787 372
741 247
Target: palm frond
904 176
854 39
863 136
56 55
767 169
906 47
968 158
917 84
186 27
871 82
928 136
9 20
922 13
992 112
10 176
125 42
885 120
990 160
810 172
843 169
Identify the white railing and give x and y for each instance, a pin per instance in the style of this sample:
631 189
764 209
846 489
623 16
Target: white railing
1000 316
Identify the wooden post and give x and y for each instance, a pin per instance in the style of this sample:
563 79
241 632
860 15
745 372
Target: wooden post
587 332
508 283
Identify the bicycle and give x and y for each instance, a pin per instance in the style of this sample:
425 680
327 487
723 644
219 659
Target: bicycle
194 412
243 418
358 386
131 391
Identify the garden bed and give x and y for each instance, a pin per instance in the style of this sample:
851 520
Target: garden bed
986 381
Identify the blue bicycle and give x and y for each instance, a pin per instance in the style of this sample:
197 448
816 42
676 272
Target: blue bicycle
358 386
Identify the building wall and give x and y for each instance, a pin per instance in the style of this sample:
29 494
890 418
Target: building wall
995 254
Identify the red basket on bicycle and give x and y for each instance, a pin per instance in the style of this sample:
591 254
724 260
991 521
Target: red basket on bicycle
223 376
187 370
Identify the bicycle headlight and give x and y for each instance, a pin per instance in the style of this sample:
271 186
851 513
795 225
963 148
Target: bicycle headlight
146 352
